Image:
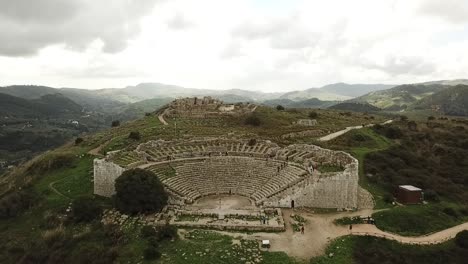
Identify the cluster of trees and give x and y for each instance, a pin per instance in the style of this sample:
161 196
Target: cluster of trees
434 158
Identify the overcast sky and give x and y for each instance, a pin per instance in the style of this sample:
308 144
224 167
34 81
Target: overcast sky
258 45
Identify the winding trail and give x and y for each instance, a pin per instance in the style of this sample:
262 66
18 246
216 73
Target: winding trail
346 130
320 231
161 118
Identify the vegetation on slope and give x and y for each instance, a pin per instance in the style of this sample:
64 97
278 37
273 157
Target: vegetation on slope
451 101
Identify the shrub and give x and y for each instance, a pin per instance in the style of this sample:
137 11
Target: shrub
14 203
85 209
78 140
430 118
167 232
148 231
431 195
252 142
153 241
147 114
412 126
134 135
51 162
139 191
151 253
115 123
252 120
279 107
313 114
461 239
403 118
450 211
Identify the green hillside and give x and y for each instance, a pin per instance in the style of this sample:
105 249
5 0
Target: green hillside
400 97
356 107
451 101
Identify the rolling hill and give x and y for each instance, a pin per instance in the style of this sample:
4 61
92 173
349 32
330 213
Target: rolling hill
308 103
400 97
356 107
450 101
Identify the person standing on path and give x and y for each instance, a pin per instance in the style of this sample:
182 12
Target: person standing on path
302 229
351 228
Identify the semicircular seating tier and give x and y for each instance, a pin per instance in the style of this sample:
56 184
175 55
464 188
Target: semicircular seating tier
190 169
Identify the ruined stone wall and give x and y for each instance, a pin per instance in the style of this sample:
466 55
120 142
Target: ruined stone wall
105 174
323 190
328 190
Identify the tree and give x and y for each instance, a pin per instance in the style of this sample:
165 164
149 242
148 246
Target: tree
139 191
85 209
115 123
78 140
252 120
279 107
313 114
252 142
412 125
461 239
403 118
134 135
430 118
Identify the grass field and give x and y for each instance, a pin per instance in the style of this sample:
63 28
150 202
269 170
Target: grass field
414 220
359 143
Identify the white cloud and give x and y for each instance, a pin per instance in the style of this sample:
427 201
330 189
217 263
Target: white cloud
234 44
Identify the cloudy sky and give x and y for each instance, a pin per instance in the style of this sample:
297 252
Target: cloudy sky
263 45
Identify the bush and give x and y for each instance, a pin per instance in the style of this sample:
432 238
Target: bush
115 123
252 142
148 231
134 135
85 209
313 114
139 191
51 162
147 114
450 211
252 120
403 118
461 239
167 232
430 118
78 141
279 107
431 195
14 203
412 126
151 253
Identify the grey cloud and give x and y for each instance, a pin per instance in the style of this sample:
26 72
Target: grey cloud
233 50
455 11
28 26
395 65
285 33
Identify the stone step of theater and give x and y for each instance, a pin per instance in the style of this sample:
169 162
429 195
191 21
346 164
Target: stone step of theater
244 176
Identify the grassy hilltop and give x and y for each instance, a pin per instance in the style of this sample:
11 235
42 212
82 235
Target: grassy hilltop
37 226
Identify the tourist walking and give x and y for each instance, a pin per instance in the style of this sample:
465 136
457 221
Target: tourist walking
302 229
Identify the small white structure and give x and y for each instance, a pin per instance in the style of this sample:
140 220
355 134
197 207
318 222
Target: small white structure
307 122
266 243
226 108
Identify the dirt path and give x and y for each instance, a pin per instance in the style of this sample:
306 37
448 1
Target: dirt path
51 186
95 151
161 118
320 230
346 130
433 238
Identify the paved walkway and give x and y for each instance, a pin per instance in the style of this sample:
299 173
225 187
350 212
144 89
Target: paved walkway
346 130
